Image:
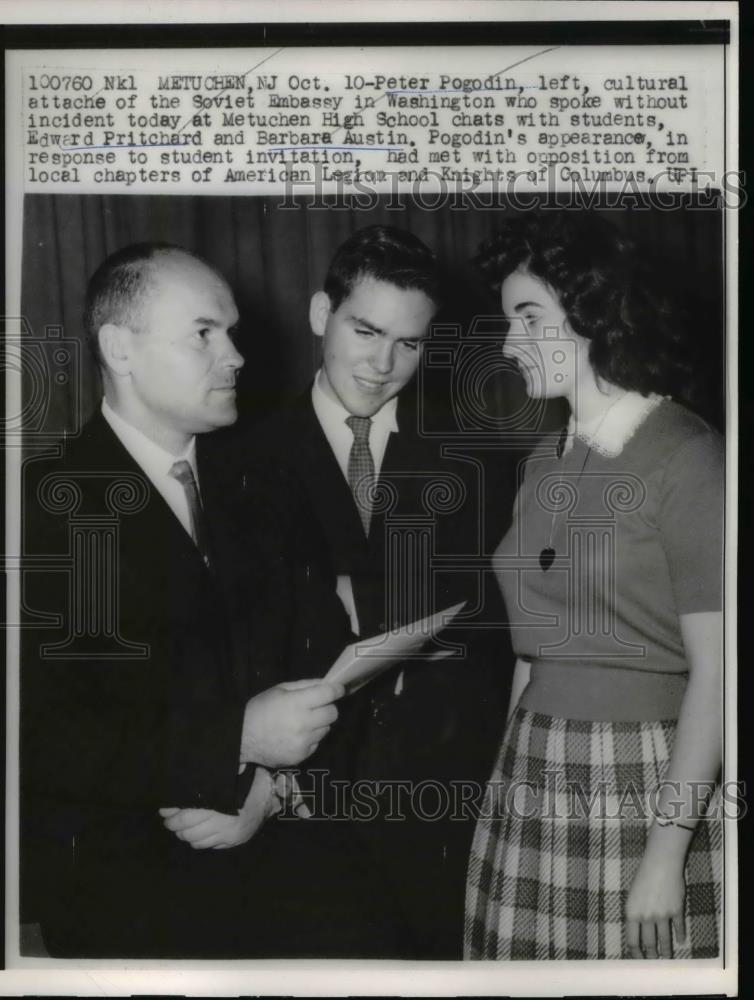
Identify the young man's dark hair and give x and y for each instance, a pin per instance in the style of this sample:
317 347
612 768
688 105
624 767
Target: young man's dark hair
385 254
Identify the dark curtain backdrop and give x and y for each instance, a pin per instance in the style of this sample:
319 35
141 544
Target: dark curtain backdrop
275 258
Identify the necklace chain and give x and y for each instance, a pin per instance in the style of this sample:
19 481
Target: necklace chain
547 555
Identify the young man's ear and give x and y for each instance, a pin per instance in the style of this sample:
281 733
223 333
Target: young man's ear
115 347
319 311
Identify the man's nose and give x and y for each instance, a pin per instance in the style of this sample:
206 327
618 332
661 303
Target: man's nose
382 358
230 357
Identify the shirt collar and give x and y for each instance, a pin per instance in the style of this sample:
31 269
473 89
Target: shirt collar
331 411
149 455
610 431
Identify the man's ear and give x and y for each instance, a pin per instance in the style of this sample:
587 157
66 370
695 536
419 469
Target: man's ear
115 347
319 311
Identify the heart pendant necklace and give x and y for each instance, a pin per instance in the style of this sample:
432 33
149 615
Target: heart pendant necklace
547 555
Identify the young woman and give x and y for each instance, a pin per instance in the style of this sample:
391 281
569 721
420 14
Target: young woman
597 837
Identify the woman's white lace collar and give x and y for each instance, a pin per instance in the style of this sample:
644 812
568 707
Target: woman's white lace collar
609 432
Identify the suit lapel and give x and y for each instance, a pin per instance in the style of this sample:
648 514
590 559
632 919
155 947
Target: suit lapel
330 494
155 520
215 493
237 570
400 468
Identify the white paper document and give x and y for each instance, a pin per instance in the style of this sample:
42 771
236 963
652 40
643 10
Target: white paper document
364 660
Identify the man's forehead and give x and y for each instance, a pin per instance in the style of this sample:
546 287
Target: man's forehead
368 284
367 287
182 267
181 274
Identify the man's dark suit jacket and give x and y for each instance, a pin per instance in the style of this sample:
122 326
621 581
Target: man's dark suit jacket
146 709
444 726
143 711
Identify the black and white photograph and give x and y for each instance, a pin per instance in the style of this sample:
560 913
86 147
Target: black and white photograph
373 575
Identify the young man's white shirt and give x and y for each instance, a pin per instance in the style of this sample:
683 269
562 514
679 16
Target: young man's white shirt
332 417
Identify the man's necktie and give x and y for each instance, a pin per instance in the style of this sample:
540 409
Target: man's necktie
182 471
361 468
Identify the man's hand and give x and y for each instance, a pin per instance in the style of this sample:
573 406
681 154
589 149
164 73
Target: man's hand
285 724
205 828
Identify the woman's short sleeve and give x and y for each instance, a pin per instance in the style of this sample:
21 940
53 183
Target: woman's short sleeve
691 522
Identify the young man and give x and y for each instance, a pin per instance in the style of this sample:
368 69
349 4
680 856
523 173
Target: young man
361 491
141 742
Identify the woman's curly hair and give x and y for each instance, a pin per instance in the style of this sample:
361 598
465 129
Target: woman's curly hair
609 291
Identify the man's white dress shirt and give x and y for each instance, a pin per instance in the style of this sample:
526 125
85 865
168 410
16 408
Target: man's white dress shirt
156 463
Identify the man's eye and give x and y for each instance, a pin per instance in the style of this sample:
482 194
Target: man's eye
411 345
364 333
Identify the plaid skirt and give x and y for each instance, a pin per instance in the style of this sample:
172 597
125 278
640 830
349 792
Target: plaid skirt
560 836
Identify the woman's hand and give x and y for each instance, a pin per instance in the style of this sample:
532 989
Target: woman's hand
655 903
205 828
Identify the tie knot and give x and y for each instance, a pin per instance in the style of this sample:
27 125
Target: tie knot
182 471
360 427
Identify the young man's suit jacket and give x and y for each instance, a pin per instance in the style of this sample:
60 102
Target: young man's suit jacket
444 724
